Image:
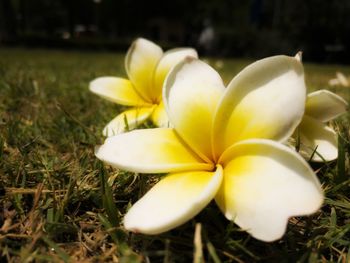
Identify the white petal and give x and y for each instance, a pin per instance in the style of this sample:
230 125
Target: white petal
265 100
342 79
264 184
127 120
324 105
150 151
117 90
191 93
315 135
167 62
140 63
173 201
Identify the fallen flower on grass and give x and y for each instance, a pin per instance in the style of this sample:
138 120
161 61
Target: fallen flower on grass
339 80
146 66
225 145
317 140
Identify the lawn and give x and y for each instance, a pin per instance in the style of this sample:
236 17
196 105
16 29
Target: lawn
59 203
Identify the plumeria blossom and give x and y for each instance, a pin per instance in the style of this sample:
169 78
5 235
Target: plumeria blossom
223 146
146 66
316 139
339 80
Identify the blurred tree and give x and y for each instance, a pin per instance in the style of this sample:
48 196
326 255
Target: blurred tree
241 28
8 23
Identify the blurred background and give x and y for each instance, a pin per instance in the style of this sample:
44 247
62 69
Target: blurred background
254 28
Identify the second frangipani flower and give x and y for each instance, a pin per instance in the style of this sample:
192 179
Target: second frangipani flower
224 146
146 66
317 140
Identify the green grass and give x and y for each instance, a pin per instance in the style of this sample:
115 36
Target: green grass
60 204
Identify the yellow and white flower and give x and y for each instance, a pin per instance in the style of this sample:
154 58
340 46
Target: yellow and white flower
316 139
146 66
224 146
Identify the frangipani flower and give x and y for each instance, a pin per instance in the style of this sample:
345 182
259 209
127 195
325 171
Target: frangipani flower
321 106
146 66
339 80
222 147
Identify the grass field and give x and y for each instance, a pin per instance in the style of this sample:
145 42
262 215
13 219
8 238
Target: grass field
60 204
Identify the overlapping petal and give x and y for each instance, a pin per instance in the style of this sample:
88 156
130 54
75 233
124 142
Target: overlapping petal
173 201
127 120
324 105
160 117
191 93
265 100
117 90
317 140
157 150
264 184
169 60
140 63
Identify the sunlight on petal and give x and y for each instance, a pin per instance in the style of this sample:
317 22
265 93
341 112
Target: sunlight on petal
324 105
169 60
127 120
160 117
173 201
264 184
191 94
265 100
140 63
316 135
117 90
150 151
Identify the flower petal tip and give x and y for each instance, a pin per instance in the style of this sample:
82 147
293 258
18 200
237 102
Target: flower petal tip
189 59
229 216
95 85
299 56
131 228
97 151
91 85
